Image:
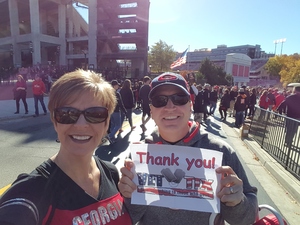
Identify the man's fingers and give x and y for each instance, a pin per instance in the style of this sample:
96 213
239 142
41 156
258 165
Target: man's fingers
126 172
225 170
126 186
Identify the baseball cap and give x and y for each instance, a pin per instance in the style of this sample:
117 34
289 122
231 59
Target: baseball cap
169 78
114 82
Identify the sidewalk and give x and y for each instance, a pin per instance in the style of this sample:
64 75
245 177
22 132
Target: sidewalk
8 108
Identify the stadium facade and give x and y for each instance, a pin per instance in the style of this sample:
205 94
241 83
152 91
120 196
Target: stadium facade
114 41
52 32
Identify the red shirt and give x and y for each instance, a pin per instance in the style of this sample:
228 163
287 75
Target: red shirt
38 87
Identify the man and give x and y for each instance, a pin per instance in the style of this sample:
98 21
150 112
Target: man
206 97
144 92
115 119
233 94
171 110
292 105
38 89
198 105
240 106
213 98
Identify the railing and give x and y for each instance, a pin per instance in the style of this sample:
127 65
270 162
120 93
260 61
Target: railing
279 136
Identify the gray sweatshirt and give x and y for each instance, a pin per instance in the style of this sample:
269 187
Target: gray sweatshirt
242 214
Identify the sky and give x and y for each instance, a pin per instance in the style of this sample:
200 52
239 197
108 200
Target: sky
201 24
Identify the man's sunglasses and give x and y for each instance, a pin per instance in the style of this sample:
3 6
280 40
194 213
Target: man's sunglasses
69 115
162 100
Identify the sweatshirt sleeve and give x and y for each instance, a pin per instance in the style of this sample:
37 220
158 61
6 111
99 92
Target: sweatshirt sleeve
136 211
245 212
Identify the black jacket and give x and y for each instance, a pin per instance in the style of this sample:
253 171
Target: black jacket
225 101
199 106
120 105
213 96
127 98
240 103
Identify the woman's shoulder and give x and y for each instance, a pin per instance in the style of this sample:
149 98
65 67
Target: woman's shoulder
27 185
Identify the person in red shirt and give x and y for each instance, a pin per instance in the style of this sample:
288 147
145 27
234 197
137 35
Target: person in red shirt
264 104
20 93
38 89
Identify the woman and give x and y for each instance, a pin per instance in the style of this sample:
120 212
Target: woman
263 104
20 93
128 101
224 105
73 186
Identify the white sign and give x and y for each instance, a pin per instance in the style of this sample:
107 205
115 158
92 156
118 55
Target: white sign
176 177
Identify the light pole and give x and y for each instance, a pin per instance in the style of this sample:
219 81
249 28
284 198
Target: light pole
275 42
85 52
282 40
150 68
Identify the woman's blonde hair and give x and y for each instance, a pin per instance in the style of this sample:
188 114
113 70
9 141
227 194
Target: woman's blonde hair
71 86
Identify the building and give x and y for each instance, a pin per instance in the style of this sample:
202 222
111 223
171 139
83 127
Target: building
245 62
53 33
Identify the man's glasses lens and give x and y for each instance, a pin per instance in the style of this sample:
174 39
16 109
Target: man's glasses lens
162 100
69 115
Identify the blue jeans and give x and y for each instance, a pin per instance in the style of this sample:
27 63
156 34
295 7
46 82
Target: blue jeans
212 107
38 98
239 118
115 124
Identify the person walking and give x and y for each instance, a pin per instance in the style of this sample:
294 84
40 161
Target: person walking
292 104
20 93
224 104
239 106
115 121
206 97
198 106
171 110
213 98
233 94
252 103
73 186
38 89
144 97
264 105
128 101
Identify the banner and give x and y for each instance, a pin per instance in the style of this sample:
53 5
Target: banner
177 177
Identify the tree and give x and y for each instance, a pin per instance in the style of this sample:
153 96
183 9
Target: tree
287 67
161 56
212 73
290 71
273 66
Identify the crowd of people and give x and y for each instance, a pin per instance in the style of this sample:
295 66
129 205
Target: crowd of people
74 186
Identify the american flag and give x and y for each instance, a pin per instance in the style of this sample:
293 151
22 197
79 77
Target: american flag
181 60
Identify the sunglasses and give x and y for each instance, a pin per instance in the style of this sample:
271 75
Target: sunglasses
162 100
69 115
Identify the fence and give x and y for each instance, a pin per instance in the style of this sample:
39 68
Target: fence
279 136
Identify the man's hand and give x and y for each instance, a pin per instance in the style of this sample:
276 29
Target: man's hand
126 185
231 192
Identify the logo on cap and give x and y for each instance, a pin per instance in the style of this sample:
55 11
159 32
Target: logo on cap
167 77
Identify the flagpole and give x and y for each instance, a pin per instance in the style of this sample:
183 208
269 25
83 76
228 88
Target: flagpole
188 65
